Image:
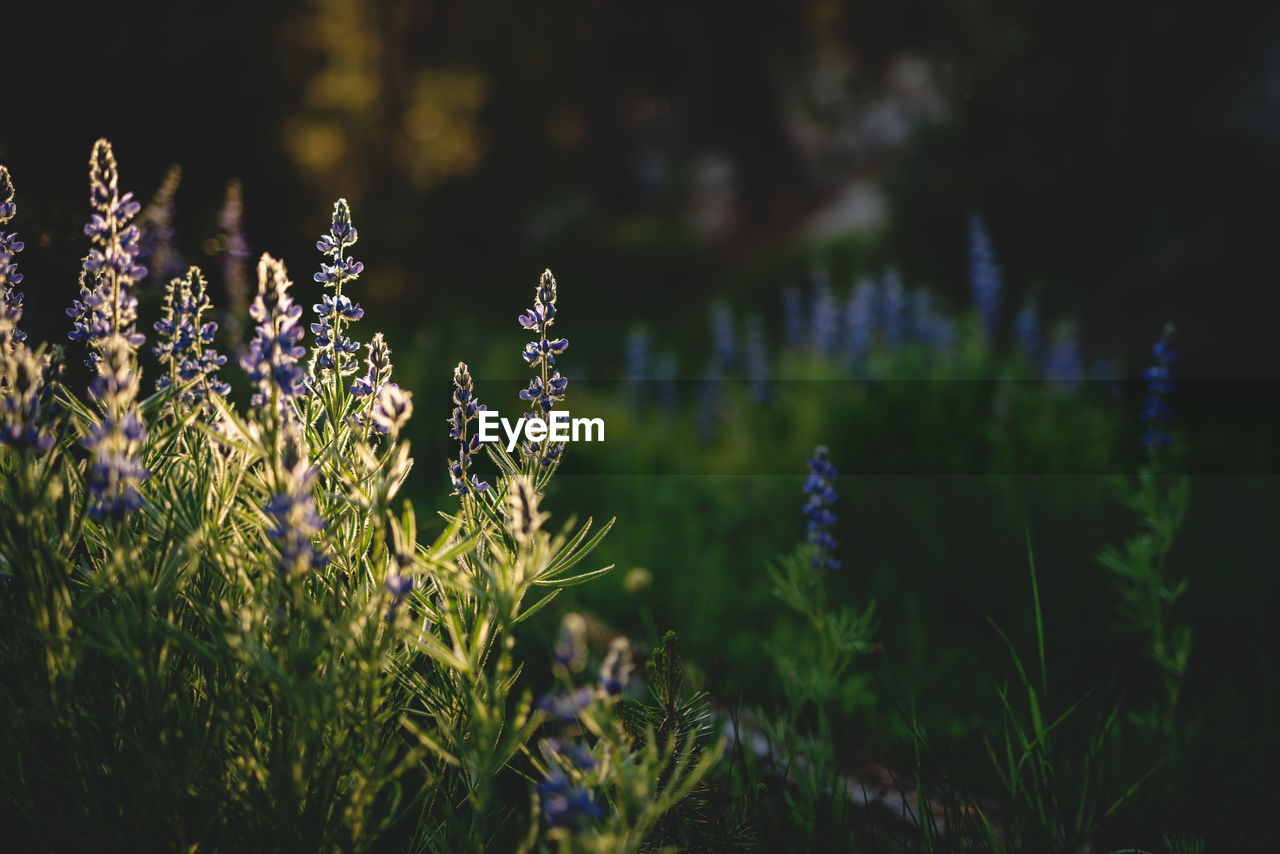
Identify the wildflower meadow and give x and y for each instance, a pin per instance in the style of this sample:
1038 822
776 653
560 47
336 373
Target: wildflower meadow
825 497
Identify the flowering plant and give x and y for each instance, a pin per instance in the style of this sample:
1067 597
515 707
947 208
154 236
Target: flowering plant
218 627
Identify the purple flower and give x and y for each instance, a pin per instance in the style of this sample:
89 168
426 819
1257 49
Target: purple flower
392 409
859 323
466 408
379 369
1156 414
548 387
824 322
25 397
106 307
115 473
295 522
10 245
822 494
615 672
984 276
564 804
273 354
566 707
186 339
333 349
399 586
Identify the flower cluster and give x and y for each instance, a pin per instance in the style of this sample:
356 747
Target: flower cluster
379 368
392 410
186 339
859 323
106 307
465 408
295 521
615 672
563 803
563 800
273 354
398 588
524 519
333 348
548 387
822 494
25 395
1156 414
116 474
10 245
984 276
824 332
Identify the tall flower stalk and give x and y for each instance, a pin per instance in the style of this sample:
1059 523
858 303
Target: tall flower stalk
333 349
984 276
116 472
10 246
275 351
185 348
466 409
106 307
548 387
820 489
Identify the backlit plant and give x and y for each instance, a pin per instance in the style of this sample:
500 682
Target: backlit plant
218 627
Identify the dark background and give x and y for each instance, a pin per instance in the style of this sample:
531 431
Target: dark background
1124 154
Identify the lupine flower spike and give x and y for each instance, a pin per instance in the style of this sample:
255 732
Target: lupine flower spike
273 354
466 407
333 349
295 521
859 323
25 395
392 410
564 804
106 307
378 363
822 494
115 473
615 673
548 387
984 276
1156 414
185 348
10 246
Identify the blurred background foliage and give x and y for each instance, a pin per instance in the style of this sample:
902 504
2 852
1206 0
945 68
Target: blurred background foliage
666 157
